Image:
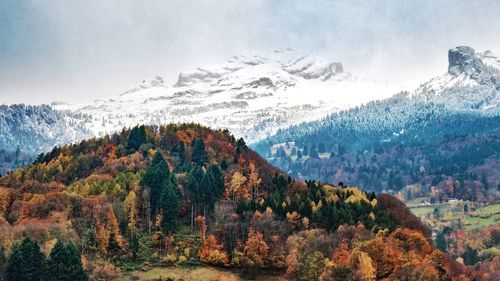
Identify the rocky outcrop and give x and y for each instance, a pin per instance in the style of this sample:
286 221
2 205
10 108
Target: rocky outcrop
463 59
311 67
198 76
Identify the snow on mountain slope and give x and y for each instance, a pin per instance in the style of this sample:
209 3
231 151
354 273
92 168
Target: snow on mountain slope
464 100
252 96
39 128
466 70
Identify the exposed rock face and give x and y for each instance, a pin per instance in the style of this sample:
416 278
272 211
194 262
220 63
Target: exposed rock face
463 59
198 76
146 84
311 67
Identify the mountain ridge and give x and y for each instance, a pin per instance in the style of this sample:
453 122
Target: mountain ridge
252 96
389 144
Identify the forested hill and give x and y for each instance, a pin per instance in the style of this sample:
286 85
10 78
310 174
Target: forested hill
448 130
188 195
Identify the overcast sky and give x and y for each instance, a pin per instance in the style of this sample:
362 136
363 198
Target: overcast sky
78 51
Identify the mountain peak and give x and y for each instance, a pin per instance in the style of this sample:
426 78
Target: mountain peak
463 59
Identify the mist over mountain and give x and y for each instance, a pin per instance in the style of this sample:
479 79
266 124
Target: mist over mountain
252 96
274 140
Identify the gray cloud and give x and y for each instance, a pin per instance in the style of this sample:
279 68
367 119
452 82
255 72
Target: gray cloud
82 50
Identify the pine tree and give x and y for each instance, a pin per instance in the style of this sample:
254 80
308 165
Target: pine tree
26 262
178 151
2 264
441 242
224 166
134 246
136 138
193 188
240 146
199 156
313 153
65 263
156 176
216 177
170 207
113 246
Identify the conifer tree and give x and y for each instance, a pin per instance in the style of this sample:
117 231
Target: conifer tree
178 151
113 246
2 264
156 176
313 153
199 156
26 262
193 188
136 138
65 263
170 207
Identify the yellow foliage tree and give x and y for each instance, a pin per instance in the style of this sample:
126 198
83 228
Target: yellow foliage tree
364 264
256 249
237 181
212 252
112 226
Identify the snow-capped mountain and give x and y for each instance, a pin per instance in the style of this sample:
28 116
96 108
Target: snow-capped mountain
448 128
460 101
466 70
252 96
38 128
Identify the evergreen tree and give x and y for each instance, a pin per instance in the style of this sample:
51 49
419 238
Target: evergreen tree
156 176
65 263
216 180
170 207
134 246
224 166
193 185
313 153
199 155
299 154
321 148
240 146
113 245
470 256
484 181
193 188
2 264
26 262
136 138
179 152
441 242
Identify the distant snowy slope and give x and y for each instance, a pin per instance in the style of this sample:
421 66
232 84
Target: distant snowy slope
472 81
466 99
252 96
38 128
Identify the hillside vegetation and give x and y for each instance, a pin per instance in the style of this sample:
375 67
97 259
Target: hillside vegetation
185 195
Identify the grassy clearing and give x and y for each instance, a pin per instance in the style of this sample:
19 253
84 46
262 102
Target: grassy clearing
493 209
424 211
478 222
193 274
480 218
484 217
